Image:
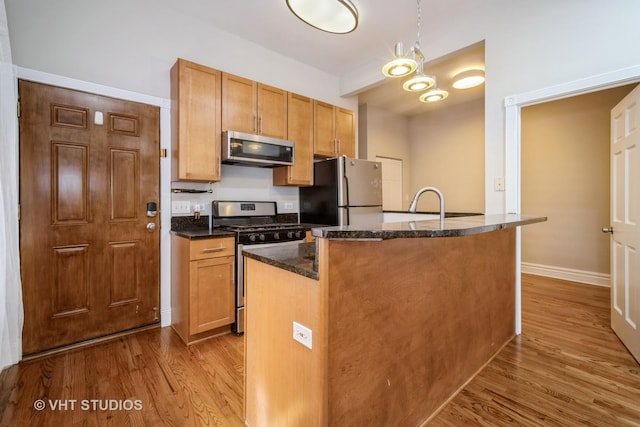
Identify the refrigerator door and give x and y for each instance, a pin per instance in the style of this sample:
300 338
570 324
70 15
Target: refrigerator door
360 182
360 216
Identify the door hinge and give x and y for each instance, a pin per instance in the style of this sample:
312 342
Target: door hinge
163 152
19 112
18 211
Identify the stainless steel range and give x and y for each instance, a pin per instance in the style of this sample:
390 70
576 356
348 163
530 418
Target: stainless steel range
254 223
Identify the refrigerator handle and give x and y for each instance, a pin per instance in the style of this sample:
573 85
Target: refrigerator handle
346 193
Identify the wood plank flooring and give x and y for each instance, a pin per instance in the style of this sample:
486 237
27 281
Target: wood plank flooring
566 369
174 385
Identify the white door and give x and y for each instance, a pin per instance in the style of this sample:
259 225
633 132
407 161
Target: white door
391 183
625 221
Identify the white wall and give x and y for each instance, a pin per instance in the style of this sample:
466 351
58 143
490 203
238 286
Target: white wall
529 45
447 152
566 177
133 44
386 134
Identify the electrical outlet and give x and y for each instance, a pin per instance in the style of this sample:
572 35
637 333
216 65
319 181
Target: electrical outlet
180 207
288 205
498 183
303 335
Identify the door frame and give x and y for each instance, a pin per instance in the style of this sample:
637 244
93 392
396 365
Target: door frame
513 107
165 164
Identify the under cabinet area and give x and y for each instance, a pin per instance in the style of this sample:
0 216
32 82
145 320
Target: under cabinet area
196 95
202 287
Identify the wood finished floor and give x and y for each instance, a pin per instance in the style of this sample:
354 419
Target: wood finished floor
566 369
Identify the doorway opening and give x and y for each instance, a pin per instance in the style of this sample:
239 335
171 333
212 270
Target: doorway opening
513 142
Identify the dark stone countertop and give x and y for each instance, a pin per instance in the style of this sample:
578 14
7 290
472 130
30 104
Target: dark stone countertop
203 233
449 227
446 214
299 259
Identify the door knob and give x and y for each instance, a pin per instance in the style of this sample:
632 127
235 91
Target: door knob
151 226
607 230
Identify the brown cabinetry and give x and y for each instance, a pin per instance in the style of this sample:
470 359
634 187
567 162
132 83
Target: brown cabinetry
252 107
300 131
202 287
334 131
196 122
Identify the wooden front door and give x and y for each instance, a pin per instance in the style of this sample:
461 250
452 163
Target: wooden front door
625 221
89 165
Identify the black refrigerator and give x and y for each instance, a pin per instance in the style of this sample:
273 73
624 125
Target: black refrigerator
345 191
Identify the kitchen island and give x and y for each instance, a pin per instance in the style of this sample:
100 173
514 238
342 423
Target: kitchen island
398 318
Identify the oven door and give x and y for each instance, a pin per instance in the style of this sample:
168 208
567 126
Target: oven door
238 326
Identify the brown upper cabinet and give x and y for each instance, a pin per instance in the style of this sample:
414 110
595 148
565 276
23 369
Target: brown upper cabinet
300 131
196 122
334 131
252 107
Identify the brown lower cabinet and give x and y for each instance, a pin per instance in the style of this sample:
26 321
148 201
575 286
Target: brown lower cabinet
202 287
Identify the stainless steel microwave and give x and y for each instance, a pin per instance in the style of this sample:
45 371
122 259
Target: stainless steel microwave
255 150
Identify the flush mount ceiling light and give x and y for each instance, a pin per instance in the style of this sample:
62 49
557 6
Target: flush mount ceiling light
419 82
332 16
468 79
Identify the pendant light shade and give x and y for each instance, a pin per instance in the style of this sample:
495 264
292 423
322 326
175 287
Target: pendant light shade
420 81
332 16
434 95
400 65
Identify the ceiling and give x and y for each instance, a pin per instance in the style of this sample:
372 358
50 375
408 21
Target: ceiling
269 23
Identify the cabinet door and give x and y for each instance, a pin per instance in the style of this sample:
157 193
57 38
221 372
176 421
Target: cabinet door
323 129
211 294
196 127
272 111
239 104
345 132
300 131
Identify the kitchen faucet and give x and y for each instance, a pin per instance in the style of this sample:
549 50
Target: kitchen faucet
414 202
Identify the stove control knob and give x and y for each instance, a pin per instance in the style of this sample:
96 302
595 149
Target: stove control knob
290 234
276 236
261 237
252 237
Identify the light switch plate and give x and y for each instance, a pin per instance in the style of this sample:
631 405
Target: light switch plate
180 207
303 335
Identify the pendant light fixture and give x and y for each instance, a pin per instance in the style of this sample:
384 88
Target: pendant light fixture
332 16
420 81
400 65
403 65
433 95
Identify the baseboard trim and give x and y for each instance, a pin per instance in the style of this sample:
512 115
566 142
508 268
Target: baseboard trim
581 276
